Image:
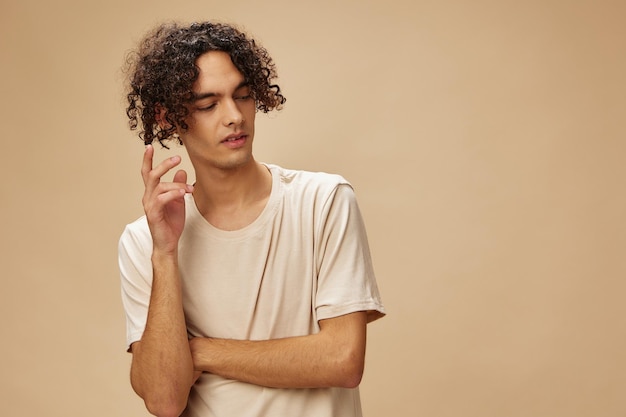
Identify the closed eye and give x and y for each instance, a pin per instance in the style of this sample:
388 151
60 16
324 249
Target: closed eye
242 92
209 107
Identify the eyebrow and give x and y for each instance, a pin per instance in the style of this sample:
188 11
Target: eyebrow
201 96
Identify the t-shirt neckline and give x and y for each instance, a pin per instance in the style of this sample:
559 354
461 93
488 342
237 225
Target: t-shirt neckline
195 218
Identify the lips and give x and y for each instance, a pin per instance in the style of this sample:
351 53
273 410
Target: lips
235 141
234 137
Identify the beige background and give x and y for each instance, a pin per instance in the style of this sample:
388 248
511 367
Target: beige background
486 141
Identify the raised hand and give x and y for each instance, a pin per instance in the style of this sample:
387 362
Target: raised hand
163 202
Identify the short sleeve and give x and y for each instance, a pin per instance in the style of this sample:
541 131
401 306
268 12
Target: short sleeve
134 252
346 282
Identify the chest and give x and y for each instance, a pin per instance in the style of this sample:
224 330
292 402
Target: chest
236 218
256 287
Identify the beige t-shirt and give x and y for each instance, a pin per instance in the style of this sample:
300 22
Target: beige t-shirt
304 259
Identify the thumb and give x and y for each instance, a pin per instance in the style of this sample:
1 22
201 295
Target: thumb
180 176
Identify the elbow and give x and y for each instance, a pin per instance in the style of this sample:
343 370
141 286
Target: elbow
351 379
160 408
161 399
162 404
351 371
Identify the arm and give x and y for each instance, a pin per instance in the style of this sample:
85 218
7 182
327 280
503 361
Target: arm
162 369
334 357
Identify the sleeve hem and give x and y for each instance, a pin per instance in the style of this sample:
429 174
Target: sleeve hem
132 338
375 310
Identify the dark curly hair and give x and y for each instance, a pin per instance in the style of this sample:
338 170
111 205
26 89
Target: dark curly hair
162 70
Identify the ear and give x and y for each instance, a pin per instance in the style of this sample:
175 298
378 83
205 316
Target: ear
160 113
161 118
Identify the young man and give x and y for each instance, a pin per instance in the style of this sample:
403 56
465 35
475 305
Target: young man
248 292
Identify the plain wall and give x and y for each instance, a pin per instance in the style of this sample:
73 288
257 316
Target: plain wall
486 142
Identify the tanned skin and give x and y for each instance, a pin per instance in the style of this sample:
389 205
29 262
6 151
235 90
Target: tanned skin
231 190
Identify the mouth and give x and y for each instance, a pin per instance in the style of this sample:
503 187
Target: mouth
235 140
235 137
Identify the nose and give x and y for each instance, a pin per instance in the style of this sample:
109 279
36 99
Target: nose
232 114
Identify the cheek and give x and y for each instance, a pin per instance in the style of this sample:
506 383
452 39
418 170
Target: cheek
250 111
201 122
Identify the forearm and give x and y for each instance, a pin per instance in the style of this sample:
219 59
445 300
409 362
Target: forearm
332 358
162 368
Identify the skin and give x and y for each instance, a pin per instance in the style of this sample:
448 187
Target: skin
231 190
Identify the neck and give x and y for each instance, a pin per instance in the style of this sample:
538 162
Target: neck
236 189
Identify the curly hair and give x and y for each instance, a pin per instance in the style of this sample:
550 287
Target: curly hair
162 71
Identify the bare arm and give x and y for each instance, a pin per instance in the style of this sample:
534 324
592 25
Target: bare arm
162 368
334 357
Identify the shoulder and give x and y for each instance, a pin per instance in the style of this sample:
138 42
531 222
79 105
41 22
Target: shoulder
316 183
136 235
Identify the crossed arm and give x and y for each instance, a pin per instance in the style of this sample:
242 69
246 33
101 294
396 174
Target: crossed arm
334 357
165 363
162 374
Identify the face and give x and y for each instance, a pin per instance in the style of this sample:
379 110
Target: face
221 120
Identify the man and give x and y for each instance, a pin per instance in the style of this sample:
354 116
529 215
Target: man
248 292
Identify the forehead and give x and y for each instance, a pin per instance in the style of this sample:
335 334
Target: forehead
217 73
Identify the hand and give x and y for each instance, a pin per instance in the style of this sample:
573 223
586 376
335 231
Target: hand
196 347
163 202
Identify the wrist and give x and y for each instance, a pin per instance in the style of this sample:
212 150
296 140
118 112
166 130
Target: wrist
164 256
199 347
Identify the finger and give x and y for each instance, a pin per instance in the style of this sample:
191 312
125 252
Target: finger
165 187
171 195
149 196
153 177
165 166
146 165
156 204
180 176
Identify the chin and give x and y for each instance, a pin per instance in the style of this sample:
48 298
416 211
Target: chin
237 162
